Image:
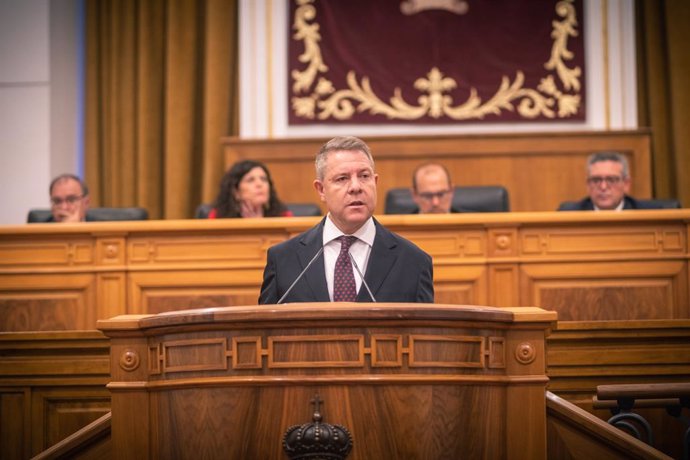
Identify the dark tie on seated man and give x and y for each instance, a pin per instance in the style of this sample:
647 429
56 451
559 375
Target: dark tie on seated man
69 199
608 183
348 256
432 189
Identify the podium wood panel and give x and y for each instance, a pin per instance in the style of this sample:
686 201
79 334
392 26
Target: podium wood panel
585 265
407 380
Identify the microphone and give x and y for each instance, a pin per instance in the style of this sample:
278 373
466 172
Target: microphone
361 276
300 276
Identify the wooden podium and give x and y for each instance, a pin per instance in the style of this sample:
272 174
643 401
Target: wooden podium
412 381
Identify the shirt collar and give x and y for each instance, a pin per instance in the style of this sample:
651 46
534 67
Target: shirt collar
366 233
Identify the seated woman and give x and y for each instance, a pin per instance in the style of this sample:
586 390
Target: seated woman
246 190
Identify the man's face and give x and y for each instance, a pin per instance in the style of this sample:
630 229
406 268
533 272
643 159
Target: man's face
348 189
434 193
606 184
67 202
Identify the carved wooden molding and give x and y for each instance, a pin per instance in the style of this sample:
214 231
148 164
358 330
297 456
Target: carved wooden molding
399 351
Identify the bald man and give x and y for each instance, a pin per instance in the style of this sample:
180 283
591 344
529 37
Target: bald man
432 189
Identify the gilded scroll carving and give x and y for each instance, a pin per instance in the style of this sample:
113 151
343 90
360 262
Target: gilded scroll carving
315 97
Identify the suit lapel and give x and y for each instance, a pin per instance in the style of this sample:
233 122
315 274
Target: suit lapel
383 255
310 243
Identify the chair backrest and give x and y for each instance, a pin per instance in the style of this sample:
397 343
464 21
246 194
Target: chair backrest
297 209
202 211
642 204
94 214
304 209
480 198
659 204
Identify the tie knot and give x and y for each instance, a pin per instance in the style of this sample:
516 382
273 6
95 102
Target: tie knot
346 242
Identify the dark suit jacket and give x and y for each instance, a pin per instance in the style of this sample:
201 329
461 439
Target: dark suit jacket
628 203
397 271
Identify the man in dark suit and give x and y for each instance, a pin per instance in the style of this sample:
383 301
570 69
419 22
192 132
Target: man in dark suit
393 269
608 183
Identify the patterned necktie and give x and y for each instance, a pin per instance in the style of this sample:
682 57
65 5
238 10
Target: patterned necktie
344 287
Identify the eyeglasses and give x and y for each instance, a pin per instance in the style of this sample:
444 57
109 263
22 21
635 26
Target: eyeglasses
610 180
70 200
429 196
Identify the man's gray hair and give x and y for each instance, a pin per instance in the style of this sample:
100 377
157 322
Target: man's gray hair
609 156
342 143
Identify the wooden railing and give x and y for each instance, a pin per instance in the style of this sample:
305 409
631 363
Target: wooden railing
90 442
626 401
576 434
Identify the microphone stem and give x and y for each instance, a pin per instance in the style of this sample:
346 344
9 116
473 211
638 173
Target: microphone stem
366 286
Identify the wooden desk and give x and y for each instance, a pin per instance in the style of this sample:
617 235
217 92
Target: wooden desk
586 266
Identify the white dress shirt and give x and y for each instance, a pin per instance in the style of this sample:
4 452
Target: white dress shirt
360 250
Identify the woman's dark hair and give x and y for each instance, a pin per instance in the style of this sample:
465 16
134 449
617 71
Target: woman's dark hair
227 206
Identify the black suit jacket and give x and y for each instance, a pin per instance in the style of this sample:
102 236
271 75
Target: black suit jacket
628 203
397 271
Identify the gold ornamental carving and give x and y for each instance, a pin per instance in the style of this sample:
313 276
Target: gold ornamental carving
556 96
129 360
525 353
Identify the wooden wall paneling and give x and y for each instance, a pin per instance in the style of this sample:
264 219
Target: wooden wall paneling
158 291
192 271
46 252
62 411
207 250
15 425
606 290
459 255
505 286
60 378
47 302
112 292
539 170
460 284
582 355
621 239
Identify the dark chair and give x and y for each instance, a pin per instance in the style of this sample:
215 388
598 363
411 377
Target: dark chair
660 204
304 209
297 209
202 211
643 204
94 214
489 198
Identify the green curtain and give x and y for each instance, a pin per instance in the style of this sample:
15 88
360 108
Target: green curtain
161 91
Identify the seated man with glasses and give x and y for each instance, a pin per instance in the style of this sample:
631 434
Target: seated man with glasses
69 199
432 189
608 182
